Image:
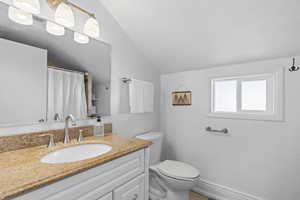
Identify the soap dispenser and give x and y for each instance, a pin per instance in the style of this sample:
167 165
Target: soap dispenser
99 127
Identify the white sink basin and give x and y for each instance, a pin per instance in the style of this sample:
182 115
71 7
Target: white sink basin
76 153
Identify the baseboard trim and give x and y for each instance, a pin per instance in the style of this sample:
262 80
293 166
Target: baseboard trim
219 192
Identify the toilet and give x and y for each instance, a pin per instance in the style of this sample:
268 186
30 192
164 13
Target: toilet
169 179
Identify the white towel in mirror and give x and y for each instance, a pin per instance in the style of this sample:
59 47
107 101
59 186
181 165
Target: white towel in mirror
148 90
136 96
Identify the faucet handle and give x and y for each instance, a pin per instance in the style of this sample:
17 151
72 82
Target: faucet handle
80 136
57 117
51 139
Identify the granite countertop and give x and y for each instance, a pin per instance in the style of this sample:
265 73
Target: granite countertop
22 171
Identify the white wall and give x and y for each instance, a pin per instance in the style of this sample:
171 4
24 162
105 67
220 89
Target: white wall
260 158
126 61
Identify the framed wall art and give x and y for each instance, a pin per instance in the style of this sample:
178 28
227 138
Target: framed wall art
182 98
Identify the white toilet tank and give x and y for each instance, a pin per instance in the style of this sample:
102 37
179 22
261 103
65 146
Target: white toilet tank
156 147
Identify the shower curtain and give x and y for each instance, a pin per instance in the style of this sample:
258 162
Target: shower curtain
66 94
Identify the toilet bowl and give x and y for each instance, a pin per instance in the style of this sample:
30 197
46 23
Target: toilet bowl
169 179
177 178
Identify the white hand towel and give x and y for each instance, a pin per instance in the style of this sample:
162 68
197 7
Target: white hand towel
148 96
136 96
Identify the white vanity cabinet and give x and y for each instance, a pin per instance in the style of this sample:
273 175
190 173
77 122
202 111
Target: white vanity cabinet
124 178
133 190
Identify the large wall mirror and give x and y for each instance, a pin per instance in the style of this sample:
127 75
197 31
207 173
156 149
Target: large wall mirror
44 77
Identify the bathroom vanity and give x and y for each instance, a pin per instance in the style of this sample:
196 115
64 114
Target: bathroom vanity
119 174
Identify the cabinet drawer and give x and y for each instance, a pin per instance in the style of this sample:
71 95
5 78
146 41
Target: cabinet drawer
107 197
93 183
133 190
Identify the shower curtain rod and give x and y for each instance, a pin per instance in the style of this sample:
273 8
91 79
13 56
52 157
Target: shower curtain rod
67 70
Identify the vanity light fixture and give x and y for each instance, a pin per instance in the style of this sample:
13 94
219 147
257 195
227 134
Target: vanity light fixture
20 16
80 38
55 29
22 12
31 6
91 27
64 15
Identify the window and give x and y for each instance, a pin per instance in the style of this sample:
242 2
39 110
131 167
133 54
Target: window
254 95
247 97
225 97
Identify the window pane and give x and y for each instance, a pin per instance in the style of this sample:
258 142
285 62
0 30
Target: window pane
254 95
225 96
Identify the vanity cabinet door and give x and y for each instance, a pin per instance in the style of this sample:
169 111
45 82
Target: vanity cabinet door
107 197
133 190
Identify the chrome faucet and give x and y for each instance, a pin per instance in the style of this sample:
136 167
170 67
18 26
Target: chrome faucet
72 118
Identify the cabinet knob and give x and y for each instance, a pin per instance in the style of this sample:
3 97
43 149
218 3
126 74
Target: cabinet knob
135 197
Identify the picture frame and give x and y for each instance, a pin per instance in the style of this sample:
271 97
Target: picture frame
182 98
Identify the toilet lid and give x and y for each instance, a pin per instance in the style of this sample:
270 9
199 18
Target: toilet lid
178 170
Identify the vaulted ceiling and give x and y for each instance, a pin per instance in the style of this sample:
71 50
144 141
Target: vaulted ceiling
178 35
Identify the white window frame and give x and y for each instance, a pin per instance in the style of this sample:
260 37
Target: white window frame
275 93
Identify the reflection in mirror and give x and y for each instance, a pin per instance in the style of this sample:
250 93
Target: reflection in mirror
23 83
45 77
66 94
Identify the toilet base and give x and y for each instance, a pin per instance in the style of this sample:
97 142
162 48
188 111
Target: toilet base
170 195
177 195
164 188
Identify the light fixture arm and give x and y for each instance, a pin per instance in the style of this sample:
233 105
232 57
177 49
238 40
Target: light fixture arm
55 3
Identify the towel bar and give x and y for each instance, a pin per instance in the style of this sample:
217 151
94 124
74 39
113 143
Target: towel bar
209 129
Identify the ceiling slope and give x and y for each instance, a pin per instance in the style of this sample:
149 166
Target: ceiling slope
178 35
